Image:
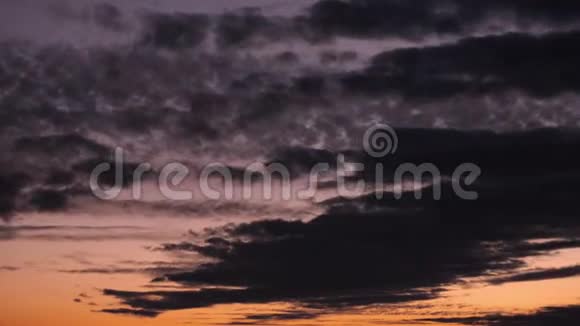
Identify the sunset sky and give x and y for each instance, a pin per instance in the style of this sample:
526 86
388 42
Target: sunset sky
255 86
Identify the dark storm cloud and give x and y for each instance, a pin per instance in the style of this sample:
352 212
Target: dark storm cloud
187 27
10 186
380 252
552 245
368 250
542 163
171 300
363 19
104 15
48 200
48 75
201 101
541 66
110 177
60 177
263 106
109 16
237 29
53 169
539 275
542 156
361 251
138 92
300 160
379 18
67 145
561 316
175 31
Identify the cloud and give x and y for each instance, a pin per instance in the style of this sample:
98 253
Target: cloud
174 31
195 102
132 312
109 16
359 19
481 65
10 186
561 316
48 200
77 233
171 300
127 109
46 154
84 23
380 18
286 315
53 170
380 252
539 275
132 267
370 250
251 27
301 160
8 269
61 144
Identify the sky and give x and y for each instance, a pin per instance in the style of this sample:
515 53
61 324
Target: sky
253 150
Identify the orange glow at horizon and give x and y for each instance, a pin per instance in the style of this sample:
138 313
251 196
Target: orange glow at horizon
41 290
